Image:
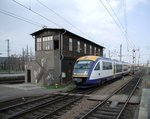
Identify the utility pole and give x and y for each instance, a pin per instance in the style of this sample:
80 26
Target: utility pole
134 56
121 52
133 60
139 59
8 55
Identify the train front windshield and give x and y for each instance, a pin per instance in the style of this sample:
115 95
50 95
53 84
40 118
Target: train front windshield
82 67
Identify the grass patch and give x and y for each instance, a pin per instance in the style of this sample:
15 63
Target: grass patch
65 87
56 86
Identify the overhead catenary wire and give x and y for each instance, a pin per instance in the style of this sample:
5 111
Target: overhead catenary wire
125 16
63 18
115 14
49 19
125 20
124 29
121 29
37 13
20 17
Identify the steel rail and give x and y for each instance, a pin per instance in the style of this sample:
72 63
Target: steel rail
55 111
102 103
16 115
24 103
128 99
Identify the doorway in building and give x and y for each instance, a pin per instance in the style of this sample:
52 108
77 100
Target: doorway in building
28 76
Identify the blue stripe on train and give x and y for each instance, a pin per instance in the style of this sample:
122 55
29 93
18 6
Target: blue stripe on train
97 81
91 69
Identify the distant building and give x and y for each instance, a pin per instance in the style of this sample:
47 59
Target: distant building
56 51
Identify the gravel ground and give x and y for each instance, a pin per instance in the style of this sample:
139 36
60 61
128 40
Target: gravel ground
113 86
129 112
84 104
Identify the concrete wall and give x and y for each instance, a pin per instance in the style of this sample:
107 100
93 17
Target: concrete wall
45 70
57 65
33 68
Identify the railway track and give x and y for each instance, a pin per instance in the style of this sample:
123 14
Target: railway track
14 110
49 106
15 101
92 89
44 107
114 110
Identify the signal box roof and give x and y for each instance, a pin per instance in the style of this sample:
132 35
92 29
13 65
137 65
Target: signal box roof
61 30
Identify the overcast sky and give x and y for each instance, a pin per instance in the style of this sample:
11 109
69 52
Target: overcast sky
87 18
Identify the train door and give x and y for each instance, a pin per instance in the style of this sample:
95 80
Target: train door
114 70
96 71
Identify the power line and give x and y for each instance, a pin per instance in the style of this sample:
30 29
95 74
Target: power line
20 18
37 13
124 29
125 16
125 19
49 19
63 18
115 22
115 14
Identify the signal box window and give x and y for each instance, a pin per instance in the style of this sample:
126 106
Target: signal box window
84 48
90 49
38 44
98 51
56 44
47 43
95 51
70 44
78 46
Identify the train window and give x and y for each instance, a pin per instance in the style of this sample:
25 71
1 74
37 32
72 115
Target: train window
83 64
125 67
107 65
118 68
97 67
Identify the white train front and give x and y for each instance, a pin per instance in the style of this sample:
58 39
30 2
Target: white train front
94 70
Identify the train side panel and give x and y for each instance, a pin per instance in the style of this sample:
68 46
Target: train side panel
94 70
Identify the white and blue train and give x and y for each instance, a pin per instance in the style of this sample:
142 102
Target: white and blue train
94 70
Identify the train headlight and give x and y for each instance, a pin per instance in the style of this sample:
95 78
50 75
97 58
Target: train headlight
77 80
74 73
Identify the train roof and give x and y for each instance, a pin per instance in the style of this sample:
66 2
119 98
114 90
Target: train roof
94 58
